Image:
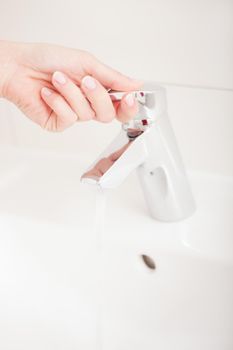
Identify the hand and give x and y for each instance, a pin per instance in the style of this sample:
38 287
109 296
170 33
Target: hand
56 86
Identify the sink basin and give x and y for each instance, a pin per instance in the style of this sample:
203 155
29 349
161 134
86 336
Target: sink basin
163 285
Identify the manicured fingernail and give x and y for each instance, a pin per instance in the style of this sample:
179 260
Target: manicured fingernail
129 99
89 82
59 78
46 92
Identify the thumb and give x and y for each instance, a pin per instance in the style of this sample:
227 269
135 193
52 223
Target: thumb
111 78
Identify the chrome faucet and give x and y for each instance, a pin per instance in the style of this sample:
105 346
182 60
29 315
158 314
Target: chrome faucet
147 143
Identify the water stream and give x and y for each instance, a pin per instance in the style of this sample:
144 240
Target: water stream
99 266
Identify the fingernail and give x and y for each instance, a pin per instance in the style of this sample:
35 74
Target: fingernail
129 99
89 82
46 92
59 78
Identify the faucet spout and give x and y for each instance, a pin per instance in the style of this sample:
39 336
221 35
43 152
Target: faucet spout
147 143
121 157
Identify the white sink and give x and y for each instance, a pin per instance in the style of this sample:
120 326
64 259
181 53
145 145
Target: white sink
48 263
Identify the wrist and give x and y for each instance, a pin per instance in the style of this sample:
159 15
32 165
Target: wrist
8 65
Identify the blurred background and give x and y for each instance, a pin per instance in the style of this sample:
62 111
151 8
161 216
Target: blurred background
184 45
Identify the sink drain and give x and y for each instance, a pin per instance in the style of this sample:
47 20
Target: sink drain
149 262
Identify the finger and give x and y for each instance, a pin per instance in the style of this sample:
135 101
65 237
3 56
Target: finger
73 95
99 99
111 78
127 108
64 115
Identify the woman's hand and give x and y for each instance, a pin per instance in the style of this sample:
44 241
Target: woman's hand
56 86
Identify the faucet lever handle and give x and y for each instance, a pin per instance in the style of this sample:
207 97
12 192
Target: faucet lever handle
138 94
151 100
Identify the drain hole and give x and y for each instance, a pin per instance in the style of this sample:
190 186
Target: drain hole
149 262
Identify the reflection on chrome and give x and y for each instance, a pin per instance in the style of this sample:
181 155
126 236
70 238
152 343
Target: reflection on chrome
105 163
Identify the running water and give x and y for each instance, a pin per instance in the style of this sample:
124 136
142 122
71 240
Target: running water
99 230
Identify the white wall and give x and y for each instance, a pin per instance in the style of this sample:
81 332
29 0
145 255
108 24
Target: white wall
186 42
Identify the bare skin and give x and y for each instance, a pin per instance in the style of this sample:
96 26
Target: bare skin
56 87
